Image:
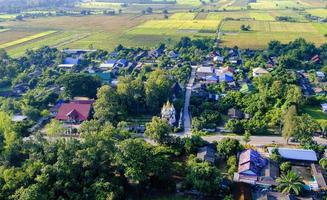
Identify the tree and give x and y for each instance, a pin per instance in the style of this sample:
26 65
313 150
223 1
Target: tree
246 137
323 163
80 85
158 130
203 177
232 165
290 183
55 128
289 123
157 89
108 107
228 147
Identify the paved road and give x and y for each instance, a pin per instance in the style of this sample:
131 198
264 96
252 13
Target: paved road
186 113
260 140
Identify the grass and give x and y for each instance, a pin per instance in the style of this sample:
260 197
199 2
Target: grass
262 32
321 12
26 39
316 113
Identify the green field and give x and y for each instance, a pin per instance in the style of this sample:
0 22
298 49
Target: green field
262 32
4 29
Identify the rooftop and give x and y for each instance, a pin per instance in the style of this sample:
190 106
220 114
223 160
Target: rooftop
296 154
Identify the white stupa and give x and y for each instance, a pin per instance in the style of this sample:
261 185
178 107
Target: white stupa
168 112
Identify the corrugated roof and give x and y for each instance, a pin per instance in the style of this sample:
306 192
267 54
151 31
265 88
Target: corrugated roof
296 154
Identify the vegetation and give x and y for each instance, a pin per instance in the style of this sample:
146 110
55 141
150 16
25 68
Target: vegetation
290 183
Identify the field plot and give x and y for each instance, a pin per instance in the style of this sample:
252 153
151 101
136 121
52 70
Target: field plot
314 3
261 16
276 4
103 32
26 39
321 12
234 15
262 32
173 27
99 5
183 16
4 29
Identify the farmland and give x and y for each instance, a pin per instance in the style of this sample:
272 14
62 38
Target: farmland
263 31
184 18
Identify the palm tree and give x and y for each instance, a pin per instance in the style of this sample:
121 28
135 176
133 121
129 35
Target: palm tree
290 183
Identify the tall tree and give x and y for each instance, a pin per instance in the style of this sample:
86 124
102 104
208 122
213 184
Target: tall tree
108 107
158 130
289 123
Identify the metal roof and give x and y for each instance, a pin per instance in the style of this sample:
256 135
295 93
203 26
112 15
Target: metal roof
296 154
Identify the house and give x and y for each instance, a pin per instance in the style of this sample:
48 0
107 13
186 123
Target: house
69 63
251 163
76 111
207 153
121 63
219 59
259 72
19 118
320 76
168 112
296 155
109 64
315 59
317 173
203 72
157 52
176 89
211 79
173 54
228 69
324 107
226 78
77 51
253 168
234 113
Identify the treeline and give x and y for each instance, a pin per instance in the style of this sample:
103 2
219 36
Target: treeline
18 5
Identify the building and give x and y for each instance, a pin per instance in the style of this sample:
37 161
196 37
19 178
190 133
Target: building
76 111
168 112
255 169
226 78
19 118
259 72
296 155
320 76
203 72
324 107
109 64
207 153
69 63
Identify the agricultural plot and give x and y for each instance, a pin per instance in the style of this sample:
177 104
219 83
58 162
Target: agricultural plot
313 3
234 15
26 39
4 29
262 32
321 12
175 27
183 16
276 4
261 16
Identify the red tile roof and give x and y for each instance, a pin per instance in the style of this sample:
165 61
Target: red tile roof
74 111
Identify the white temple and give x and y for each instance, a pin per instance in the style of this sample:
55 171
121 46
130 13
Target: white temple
168 112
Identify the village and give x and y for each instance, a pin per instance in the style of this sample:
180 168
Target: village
203 101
